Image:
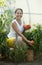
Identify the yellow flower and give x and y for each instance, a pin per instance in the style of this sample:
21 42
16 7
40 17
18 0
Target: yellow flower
2 3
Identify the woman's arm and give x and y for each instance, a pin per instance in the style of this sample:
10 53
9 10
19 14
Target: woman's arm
14 26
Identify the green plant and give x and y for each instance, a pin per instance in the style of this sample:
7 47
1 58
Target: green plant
0 24
8 16
36 35
28 35
18 54
5 20
5 50
3 36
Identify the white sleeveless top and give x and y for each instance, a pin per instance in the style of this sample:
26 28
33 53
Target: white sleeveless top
12 33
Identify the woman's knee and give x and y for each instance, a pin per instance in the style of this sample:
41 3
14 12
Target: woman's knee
19 38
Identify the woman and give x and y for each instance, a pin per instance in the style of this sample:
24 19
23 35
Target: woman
17 27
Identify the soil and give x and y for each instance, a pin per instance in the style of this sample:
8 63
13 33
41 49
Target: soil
35 62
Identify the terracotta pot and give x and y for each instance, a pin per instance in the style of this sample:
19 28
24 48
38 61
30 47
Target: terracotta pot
30 55
1 56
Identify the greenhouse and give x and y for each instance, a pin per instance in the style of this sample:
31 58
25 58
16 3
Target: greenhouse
21 32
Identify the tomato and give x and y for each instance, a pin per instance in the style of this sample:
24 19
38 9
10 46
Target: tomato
26 27
32 42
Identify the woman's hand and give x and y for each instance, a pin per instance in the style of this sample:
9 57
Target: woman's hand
31 43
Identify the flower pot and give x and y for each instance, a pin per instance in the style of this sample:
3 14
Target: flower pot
30 55
1 56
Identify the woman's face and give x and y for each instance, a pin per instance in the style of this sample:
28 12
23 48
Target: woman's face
18 14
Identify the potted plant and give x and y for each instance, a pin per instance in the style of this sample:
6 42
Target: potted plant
18 54
30 52
36 35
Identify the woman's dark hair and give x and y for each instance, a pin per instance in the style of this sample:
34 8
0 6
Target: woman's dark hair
18 9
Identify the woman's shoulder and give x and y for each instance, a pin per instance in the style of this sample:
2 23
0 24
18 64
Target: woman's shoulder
14 20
